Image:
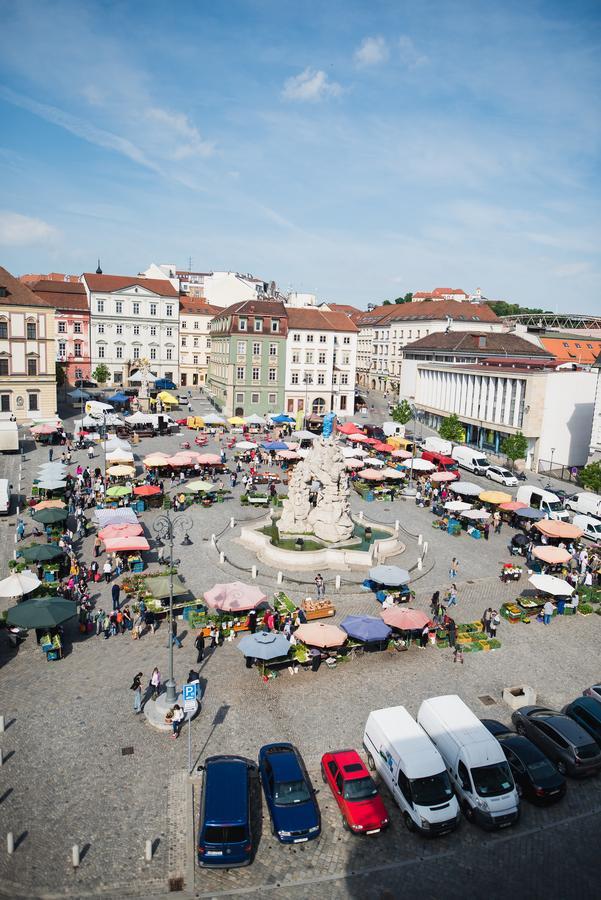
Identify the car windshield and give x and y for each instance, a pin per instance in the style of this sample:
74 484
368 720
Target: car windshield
226 834
505 473
359 789
555 505
490 781
449 467
587 751
541 768
432 790
287 793
481 462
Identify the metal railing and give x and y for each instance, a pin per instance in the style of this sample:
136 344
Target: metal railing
563 473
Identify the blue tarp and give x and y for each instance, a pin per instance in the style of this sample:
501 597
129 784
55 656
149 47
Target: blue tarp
119 397
366 628
274 445
282 418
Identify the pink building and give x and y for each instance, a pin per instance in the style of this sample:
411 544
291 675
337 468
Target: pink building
72 325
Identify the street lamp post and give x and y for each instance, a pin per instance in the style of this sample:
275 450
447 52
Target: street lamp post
551 463
166 527
307 380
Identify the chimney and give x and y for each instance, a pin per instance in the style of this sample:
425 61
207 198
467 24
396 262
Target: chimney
482 342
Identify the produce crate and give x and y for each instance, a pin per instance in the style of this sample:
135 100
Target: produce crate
283 604
317 609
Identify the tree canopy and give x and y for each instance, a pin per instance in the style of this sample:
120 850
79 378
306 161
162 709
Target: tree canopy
101 374
452 430
515 446
402 413
590 477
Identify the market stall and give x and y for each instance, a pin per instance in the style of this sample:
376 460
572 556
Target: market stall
130 549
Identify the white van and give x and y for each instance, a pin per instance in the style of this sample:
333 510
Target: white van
393 428
438 445
548 502
5 494
473 460
591 527
412 769
474 759
586 502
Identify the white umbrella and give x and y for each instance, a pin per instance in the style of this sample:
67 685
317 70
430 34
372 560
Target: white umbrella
419 465
213 419
476 515
120 456
137 378
466 488
303 435
18 584
457 506
255 420
395 473
116 443
51 485
376 461
549 584
246 445
354 451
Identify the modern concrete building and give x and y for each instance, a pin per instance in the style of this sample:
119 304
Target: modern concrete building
194 340
72 325
321 362
595 447
248 357
551 405
27 352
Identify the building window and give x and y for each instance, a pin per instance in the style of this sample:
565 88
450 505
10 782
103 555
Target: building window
196 342
153 331
169 310
256 373
184 324
118 377
319 406
240 373
153 352
346 359
100 306
3 367
77 327
272 398
309 357
344 379
256 348
77 348
136 330
275 326
296 357
119 329
195 360
101 328
321 378
254 398
309 338
136 308
273 349
100 351
322 339
241 348
33 402
4 330
294 378
118 306
62 327
79 373
183 342
239 398
242 324
196 326
4 402
153 309
169 332
62 348
32 367
296 336
168 353
136 353
343 402
208 343
321 359
119 352
273 375
258 324
31 331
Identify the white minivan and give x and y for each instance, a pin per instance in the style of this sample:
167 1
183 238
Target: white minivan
549 503
586 503
591 527
474 759
5 492
473 460
412 769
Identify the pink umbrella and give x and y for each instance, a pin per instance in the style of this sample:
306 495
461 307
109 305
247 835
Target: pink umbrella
234 597
125 544
317 634
512 505
287 454
373 475
362 438
405 619
401 454
352 463
43 429
291 445
181 459
394 473
208 459
552 555
120 529
443 476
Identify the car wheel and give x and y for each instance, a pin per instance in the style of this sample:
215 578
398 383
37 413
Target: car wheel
520 728
519 789
561 767
468 812
409 823
370 762
345 824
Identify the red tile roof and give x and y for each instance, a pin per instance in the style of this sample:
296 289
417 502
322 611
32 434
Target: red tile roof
109 283
468 343
583 349
17 293
431 310
62 294
312 319
189 305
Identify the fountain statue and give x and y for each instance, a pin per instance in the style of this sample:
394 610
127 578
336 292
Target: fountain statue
323 473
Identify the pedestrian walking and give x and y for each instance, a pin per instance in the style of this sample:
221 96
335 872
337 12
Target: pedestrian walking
320 586
136 687
458 654
486 530
50 454
20 530
115 592
174 637
452 632
107 571
90 452
548 610
199 644
497 521
97 546
423 639
494 623
453 569
434 602
452 598
486 619
155 683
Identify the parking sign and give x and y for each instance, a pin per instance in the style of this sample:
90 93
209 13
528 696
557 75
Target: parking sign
189 694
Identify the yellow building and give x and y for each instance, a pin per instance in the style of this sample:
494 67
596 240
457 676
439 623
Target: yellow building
27 352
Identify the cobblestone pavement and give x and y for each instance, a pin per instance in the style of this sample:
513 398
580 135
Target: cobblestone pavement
65 780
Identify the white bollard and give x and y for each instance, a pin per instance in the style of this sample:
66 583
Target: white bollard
213 540
425 547
222 557
419 564
1 724
10 843
148 851
397 525
337 582
361 515
280 577
253 572
232 522
75 856
420 540
1 757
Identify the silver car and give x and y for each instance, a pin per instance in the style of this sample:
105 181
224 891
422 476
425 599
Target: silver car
503 476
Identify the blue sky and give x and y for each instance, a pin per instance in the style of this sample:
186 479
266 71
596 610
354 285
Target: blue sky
356 149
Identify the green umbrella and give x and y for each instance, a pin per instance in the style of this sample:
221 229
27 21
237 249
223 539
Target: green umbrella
41 612
41 552
202 485
50 516
118 490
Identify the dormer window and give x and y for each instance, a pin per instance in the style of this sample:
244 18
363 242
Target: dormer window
242 323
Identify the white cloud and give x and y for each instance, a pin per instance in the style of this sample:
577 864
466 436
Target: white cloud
311 85
410 54
371 51
189 142
17 230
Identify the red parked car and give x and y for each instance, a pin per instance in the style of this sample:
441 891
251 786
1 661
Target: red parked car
355 792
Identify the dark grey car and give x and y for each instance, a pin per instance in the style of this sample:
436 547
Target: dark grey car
561 739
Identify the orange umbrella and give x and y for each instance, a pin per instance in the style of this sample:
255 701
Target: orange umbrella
373 475
50 504
318 634
555 529
552 555
146 490
401 454
209 459
512 505
405 619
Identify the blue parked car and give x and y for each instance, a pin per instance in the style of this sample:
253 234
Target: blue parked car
587 712
289 794
224 828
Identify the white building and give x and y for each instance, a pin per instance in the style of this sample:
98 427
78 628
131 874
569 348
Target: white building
194 340
321 362
216 288
595 448
131 318
551 406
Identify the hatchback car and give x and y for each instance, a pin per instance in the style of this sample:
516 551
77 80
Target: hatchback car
587 712
535 776
183 399
503 476
561 739
289 794
224 828
362 808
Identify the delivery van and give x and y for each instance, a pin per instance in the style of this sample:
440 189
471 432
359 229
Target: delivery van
438 445
473 460
5 495
548 502
9 437
586 502
475 761
393 428
591 527
412 769
442 462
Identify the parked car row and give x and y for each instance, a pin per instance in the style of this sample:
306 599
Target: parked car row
446 762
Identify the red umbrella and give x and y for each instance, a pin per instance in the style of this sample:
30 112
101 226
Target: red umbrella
512 505
234 596
405 619
120 529
349 428
124 544
147 490
208 459
381 447
362 438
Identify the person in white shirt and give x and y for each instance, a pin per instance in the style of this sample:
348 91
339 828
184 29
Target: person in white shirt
548 610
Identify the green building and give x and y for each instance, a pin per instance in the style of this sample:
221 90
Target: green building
248 358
